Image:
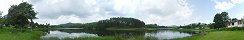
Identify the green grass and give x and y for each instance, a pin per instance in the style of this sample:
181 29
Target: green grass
194 29
217 35
6 34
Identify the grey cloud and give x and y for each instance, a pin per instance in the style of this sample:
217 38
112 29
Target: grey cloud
82 8
162 12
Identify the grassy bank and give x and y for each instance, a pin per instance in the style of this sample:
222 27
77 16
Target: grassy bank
217 35
194 29
7 34
138 29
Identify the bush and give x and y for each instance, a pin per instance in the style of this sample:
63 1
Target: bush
232 29
151 38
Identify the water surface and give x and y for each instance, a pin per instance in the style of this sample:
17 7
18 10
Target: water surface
77 33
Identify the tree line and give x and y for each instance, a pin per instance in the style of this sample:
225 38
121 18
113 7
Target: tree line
195 26
118 22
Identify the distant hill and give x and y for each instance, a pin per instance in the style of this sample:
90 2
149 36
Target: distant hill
71 25
102 24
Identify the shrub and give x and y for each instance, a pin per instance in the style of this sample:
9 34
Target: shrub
232 29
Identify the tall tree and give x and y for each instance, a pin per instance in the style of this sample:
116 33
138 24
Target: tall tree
1 19
220 20
1 13
21 15
234 19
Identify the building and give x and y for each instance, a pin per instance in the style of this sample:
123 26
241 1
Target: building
236 23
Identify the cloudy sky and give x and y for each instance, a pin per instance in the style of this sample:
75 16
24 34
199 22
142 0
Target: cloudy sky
162 12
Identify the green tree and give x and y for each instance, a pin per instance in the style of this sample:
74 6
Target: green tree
1 19
1 13
120 22
234 19
220 20
151 26
21 15
194 26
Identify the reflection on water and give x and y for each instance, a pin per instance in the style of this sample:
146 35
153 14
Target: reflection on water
60 35
167 34
160 34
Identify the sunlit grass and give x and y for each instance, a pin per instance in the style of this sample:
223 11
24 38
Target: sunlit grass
6 34
217 35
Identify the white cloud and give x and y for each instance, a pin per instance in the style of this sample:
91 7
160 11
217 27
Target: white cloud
237 1
61 19
69 18
5 5
240 14
162 12
227 5
224 5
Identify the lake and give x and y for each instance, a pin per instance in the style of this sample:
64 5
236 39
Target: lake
79 33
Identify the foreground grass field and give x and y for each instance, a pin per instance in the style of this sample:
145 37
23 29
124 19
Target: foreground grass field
6 34
217 35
